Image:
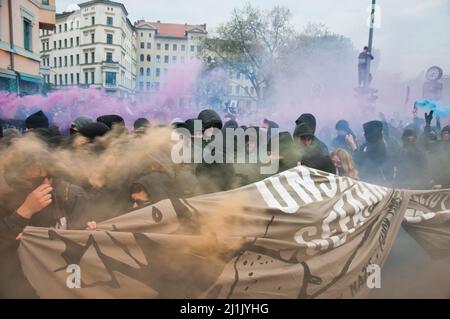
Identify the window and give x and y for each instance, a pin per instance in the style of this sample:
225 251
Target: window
174 47
166 46
109 57
55 79
65 43
71 60
71 42
78 41
166 59
109 20
149 45
142 45
93 57
55 62
86 58
71 78
142 58
60 80
109 39
141 71
65 27
78 78
86 78
93 20
183 47
148 86
174 59
142 34
78 59
54 45
149 58
92 37
65 60
158 46
27 34
66 79
60 30
158 72
60 44
158 58
148 72
192 48
110 78
60 62
92 77
141 86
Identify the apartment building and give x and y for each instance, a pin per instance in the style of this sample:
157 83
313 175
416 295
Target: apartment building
94 46
20 24
164 45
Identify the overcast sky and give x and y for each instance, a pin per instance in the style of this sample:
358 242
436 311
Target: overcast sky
413 34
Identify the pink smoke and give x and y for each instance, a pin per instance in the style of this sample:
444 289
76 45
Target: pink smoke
65 105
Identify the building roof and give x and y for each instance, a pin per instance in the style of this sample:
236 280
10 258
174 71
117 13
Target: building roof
108 2
174 30
64 14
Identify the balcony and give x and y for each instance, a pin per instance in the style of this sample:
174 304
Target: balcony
47 15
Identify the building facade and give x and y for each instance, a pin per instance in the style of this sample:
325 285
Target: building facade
20 24
91 47
161 46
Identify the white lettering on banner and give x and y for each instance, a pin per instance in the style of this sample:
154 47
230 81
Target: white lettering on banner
350 211
414 216
272 202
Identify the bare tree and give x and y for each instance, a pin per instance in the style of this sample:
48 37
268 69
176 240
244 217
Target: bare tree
250 43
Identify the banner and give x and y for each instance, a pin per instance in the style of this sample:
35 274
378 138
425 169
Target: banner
300 234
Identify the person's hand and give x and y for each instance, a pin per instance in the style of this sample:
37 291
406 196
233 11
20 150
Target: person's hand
92 225
19 237
429 118
36 201
351 141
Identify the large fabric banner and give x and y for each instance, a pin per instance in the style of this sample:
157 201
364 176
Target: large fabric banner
300 234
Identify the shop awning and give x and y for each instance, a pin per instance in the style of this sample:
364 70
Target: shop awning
7 74
30 78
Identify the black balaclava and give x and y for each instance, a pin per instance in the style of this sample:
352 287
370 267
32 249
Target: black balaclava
110 120
36 120
309 119
373 131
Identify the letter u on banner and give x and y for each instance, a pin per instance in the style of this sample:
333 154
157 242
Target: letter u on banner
271 201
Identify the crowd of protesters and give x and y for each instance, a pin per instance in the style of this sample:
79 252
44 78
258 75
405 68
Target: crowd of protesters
40 194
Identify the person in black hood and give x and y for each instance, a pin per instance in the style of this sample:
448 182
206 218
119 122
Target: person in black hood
216 176
38 124
210 119
310 120
373 158
141 125
150 189
345 138
93 130
114 122
36 120
310 154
